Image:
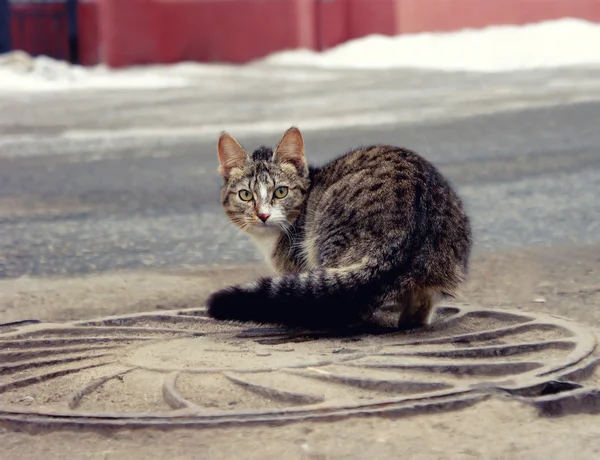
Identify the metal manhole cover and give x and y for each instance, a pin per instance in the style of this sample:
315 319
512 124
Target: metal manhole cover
181 368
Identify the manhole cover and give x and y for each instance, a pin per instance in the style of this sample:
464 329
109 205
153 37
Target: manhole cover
181 368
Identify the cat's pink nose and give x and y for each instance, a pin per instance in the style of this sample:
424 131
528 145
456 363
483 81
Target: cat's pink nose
264 216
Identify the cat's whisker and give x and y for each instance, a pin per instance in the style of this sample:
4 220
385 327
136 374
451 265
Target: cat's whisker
286 227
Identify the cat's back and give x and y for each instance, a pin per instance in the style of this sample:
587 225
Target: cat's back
375 161
361 196
375 170
377 195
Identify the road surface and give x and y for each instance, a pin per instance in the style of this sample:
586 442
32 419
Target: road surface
107 180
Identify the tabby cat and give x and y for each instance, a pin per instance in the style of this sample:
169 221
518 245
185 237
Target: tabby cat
376 226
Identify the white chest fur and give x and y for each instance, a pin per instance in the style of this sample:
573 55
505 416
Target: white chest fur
266 244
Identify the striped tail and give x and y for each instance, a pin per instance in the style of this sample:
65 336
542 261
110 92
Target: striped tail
319 298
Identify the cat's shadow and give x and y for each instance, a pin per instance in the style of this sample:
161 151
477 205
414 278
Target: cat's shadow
383 324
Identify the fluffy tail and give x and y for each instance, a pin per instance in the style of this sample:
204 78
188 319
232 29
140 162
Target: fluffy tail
319 298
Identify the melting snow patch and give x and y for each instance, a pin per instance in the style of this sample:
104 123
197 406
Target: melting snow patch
565 42
21 72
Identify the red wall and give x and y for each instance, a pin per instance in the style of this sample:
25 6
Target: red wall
144 31
89 41
202 30
372 17
415 16
338 21
331 23
126 32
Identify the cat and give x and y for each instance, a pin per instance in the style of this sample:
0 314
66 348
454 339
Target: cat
377 226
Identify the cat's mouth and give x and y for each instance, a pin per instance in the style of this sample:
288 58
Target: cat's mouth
264 228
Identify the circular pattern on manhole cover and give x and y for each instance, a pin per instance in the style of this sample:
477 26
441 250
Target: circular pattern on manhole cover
181 368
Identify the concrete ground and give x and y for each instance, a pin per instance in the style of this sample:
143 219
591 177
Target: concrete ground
108 204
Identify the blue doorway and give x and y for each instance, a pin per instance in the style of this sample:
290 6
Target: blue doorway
4 26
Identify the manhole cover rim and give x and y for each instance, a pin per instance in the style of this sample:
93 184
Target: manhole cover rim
581 356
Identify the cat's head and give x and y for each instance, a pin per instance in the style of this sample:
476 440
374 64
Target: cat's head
263 191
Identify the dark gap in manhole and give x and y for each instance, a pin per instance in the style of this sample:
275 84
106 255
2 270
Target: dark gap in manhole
555 386
552 387
21 323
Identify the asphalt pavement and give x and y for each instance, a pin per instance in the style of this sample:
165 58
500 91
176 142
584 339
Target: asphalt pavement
92 201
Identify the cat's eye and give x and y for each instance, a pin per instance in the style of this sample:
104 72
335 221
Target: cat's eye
245 195
280 192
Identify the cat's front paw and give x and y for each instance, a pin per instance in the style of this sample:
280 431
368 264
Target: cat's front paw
227 304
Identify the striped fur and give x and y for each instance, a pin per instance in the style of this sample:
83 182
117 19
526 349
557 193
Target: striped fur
375 226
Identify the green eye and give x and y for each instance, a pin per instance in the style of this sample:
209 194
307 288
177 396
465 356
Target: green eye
281 192
245 195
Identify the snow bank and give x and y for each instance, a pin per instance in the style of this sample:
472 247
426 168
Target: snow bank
21 72
565 42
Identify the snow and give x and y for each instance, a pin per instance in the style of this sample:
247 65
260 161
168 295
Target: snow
21 72
565 42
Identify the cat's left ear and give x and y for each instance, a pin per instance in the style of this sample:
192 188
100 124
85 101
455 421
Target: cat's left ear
291 150
231 154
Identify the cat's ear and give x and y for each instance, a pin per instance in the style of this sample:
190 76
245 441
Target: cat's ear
291 150
231 154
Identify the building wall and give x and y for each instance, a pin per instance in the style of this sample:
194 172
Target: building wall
127 32
40 28
242 30
89 40
202 30
413 16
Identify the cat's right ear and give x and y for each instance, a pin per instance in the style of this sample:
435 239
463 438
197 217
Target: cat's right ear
291 150
231 154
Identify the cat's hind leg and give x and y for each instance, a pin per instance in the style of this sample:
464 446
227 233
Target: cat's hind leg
417 306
